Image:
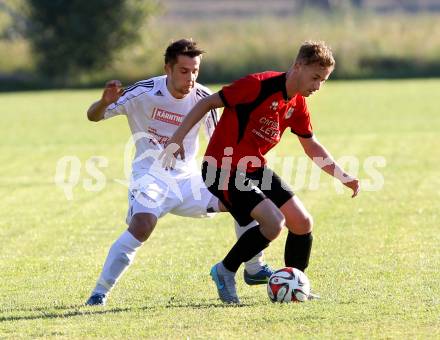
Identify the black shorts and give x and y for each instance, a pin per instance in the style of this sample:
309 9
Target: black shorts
241 192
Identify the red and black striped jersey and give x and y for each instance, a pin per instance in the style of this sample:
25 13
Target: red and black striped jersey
257 111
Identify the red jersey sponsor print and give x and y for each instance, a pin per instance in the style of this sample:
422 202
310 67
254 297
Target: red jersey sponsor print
156 137
167 116
257 112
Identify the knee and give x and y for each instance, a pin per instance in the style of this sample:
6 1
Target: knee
307 224
141 226
275 228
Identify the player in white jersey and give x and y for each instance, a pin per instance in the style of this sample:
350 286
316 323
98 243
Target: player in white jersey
155 109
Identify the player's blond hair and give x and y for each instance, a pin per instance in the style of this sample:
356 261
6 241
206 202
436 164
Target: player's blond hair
312 52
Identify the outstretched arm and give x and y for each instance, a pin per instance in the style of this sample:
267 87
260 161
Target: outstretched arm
174 146
321 157
111 94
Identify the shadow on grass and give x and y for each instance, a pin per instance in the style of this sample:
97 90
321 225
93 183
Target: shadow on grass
66 314
81 310
40 309
205 305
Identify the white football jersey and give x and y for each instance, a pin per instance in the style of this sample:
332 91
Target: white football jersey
153 116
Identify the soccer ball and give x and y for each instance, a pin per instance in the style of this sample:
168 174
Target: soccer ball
288 285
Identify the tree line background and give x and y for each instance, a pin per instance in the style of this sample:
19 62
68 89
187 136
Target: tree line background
76 43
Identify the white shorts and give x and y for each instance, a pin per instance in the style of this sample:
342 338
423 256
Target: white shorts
184 197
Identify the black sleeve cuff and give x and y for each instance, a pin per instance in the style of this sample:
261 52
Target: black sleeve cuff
222 97
310 135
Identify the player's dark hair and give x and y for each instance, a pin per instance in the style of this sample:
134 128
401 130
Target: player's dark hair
312 52
186 47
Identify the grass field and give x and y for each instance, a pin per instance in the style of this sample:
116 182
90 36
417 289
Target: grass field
375 260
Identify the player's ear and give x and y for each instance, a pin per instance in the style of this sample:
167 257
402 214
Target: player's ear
297 65
167 68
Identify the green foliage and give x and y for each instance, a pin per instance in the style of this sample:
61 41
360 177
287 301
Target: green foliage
70 36
366 45
375 259
12 19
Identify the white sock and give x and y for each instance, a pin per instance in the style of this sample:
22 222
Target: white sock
254 265
120 256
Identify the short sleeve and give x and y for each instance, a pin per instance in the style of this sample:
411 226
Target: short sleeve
301 124
211 120
241 91
117 108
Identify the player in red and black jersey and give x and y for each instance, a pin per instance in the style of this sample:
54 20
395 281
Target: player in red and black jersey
258 109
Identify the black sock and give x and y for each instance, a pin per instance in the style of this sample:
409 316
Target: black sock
246 247
297 250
